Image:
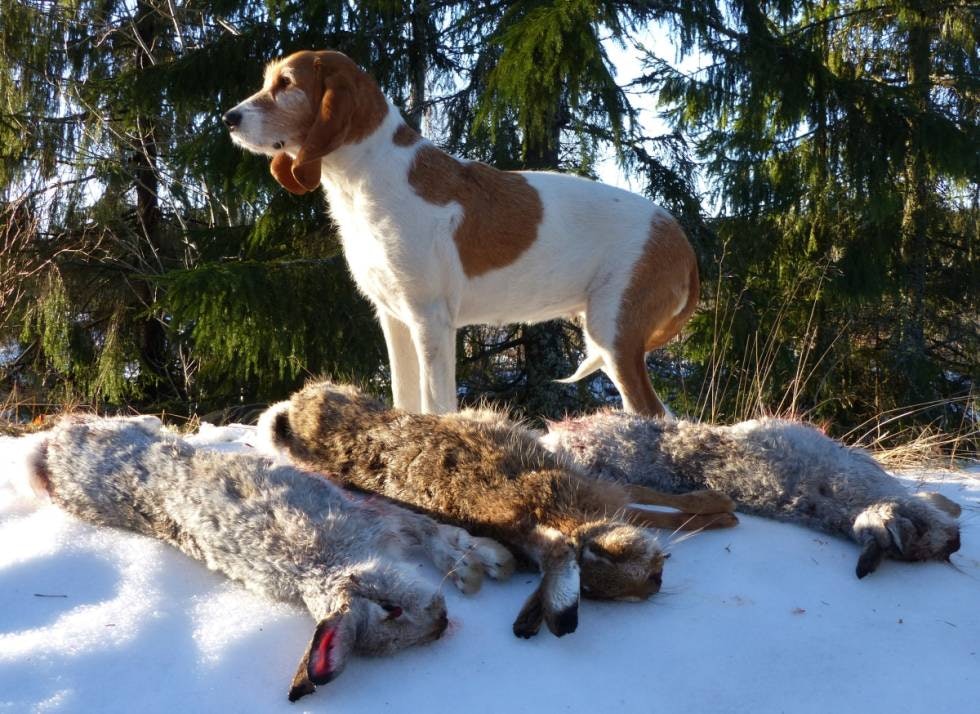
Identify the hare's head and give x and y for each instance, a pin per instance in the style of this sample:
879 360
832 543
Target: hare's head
378 611
619 561
921 527
396 611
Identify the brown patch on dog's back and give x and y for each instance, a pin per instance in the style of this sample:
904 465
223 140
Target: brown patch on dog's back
405 136
501 210
665 274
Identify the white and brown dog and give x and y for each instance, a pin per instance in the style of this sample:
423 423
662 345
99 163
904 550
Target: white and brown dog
437 243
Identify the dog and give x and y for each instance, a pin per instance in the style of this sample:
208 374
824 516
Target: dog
437 243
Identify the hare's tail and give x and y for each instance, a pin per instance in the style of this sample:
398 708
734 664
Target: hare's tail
29 475
273 430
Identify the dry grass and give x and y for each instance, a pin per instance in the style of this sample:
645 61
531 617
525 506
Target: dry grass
744 388
929 446
21 414
742 384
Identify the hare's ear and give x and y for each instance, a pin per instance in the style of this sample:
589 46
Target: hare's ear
529 620
330 128
877 533
331 645
555 602
561 596
560 584
282 171
870 558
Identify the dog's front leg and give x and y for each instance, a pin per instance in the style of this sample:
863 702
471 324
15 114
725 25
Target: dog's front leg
403 362
435 344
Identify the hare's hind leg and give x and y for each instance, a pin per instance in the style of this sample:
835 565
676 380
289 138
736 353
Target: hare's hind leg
700 502
680 521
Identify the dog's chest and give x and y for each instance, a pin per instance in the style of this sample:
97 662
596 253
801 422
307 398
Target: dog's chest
371 247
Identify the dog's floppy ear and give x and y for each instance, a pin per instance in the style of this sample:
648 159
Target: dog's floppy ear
330 646
330 128
282 171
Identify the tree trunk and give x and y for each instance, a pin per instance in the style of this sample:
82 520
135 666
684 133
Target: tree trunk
417 64
153 341
915 218
546 348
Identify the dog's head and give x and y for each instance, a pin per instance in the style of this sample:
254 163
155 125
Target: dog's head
310 104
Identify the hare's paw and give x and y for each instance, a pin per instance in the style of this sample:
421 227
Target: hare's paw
497 561
467 574
449 553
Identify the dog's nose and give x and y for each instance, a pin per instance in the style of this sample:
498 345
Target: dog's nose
232 119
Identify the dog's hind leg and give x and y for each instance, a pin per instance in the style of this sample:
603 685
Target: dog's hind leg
619 346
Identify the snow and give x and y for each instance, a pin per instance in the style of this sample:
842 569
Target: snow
767 617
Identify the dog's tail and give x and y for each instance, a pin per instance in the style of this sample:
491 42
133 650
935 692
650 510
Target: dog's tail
591 363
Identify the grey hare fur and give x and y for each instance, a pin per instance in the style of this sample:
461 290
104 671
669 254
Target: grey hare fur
776 468
482 472
283 533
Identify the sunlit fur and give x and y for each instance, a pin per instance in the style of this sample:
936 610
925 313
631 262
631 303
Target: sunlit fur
284 534
772 467
277 117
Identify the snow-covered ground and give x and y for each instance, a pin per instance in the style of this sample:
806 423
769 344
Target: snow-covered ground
763 618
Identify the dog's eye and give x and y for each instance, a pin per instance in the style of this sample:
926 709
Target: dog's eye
283 82
394 612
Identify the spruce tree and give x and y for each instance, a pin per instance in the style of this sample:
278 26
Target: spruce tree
144 260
